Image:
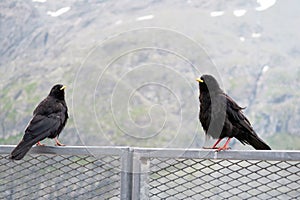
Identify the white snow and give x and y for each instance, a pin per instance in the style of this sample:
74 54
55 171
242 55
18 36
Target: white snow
39 1
239 13
265 68
58 12
256 35
216 13
265 4
146 17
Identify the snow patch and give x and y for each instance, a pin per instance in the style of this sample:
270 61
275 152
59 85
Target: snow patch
239 13
217 13
39 1
256 35
146 17
265 68
58 12
265 4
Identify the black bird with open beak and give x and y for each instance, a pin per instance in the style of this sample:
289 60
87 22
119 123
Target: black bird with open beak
221 116
49 119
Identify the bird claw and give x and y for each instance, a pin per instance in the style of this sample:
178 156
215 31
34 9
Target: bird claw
223 148
210 147
39 144
59 144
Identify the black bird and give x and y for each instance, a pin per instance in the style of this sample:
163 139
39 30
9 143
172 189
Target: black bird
49 119
221 116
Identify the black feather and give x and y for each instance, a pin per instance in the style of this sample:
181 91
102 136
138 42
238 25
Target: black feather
49 119
221 116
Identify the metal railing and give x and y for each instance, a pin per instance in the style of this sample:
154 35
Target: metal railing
145 173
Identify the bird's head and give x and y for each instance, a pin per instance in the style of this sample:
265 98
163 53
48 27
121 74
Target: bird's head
58 91
208 83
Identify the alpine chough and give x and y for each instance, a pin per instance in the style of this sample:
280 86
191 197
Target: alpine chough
221 116
49 119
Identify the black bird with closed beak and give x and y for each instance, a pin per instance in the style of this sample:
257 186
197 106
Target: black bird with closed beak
49 119
221 116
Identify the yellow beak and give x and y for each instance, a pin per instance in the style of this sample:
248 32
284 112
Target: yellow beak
199 80
63 87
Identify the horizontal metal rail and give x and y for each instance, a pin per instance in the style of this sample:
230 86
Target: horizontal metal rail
70 150
121 172
273 155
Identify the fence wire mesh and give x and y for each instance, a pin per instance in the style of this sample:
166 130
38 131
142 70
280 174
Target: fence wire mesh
223 179
135 173
60 177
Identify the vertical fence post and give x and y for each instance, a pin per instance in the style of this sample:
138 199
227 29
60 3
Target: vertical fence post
126 174
141 167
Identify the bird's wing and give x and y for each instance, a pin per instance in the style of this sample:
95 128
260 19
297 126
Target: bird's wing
242 124
45 107
50 106
235 114
41 126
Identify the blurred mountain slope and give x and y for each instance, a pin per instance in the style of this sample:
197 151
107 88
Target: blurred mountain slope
122 91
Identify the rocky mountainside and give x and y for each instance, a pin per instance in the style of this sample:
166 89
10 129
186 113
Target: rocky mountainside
130 67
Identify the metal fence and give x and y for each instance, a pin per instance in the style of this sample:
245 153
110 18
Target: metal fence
139 173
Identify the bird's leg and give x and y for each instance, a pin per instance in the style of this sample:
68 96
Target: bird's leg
215 145
39 144
225 147
58 143
217 142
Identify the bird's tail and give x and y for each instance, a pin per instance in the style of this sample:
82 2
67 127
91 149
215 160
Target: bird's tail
257 143
21 149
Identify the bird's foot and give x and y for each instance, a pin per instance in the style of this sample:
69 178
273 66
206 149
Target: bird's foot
210 147
223 148
39 144
58 143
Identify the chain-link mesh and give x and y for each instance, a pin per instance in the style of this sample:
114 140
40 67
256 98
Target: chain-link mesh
137 173
60 177
223 179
